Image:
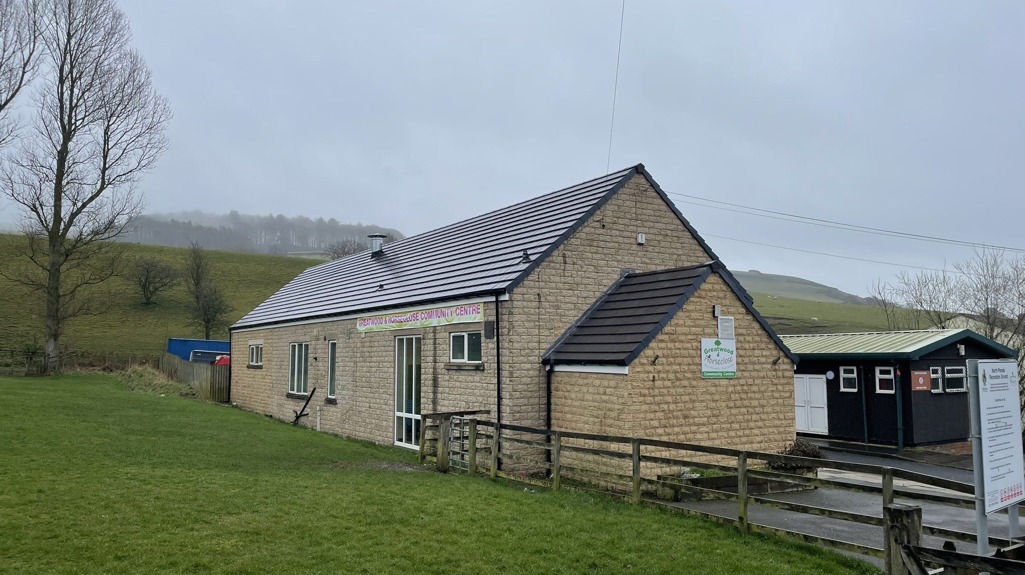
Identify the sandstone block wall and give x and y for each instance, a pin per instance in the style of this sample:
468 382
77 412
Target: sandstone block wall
564 286
365 377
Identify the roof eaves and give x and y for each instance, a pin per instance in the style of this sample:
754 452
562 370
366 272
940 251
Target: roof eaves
731 281
670 314
361 311
573 229
964 334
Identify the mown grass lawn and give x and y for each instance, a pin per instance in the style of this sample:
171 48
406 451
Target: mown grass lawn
98 479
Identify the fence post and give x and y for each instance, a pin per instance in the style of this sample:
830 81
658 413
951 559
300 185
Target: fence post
636 445
887 486
557 462
471 463
742 492
494 450
443 436
902 525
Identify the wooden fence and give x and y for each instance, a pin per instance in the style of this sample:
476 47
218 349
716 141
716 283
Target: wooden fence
629 466
211 382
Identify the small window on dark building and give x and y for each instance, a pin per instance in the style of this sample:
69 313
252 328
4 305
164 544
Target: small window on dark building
466 347
955 379
885 380
936 379
848 379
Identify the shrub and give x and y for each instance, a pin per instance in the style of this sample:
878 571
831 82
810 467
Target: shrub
799 448
149 380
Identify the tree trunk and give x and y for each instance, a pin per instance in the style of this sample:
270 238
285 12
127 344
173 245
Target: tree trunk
52 320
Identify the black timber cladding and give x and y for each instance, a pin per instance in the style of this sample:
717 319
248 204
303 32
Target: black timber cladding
631 314
479 256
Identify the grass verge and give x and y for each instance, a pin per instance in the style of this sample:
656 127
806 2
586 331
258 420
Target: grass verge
99 480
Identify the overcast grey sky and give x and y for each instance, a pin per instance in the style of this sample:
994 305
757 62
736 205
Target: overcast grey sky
903 115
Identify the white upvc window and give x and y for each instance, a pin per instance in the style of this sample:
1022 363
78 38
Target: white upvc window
936 379
256 354
465 347
848 378
298 368
332 356
885 380
954 379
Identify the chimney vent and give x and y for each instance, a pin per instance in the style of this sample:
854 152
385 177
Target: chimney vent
376 244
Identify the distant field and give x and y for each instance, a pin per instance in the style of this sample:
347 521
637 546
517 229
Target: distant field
793 316
130 328
97 479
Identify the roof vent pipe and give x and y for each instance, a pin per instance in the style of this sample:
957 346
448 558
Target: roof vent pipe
376 244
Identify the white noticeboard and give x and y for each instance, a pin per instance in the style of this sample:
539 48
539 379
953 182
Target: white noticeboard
1002 462
718 358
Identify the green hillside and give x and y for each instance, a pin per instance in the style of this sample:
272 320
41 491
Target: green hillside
793 316
129 328
794 288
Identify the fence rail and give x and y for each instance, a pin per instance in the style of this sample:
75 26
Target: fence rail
636 468
211 382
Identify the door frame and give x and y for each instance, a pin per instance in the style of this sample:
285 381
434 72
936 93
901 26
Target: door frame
410 421
808 378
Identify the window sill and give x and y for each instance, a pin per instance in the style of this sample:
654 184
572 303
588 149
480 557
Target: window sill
848 391
464 366
331 400
294 395
254 366
955 391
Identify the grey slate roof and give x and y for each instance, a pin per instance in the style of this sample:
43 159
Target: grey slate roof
478 256
621 324
908 344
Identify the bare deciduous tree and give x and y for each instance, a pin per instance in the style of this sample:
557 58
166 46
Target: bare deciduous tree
884 298
985 293
19 55
152 276
98 126
209 307
345 248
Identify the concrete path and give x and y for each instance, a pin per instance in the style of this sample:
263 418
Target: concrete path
933 514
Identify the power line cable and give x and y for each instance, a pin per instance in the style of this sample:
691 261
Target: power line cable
615 88
833 255
796 218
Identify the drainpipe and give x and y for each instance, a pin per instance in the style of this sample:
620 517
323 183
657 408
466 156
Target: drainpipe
498 374
548 393
864 403
498 362
900 410
548 411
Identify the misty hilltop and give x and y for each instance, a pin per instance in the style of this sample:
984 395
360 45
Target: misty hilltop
237 232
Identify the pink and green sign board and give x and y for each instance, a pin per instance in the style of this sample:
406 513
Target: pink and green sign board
431 317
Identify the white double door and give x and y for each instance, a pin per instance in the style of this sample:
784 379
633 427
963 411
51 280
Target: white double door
810 404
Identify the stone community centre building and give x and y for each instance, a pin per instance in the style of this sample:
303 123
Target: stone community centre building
595 308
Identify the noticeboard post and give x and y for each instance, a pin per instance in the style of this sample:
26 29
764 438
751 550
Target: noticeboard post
996 442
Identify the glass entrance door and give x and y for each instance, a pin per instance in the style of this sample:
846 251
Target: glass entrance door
407 391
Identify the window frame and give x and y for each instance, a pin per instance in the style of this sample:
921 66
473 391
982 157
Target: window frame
255 350
332 368
466 346
298 376
936 379
891 377
963 377
853 374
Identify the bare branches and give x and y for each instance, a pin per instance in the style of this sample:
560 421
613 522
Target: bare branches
98 127
20 27
152 276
